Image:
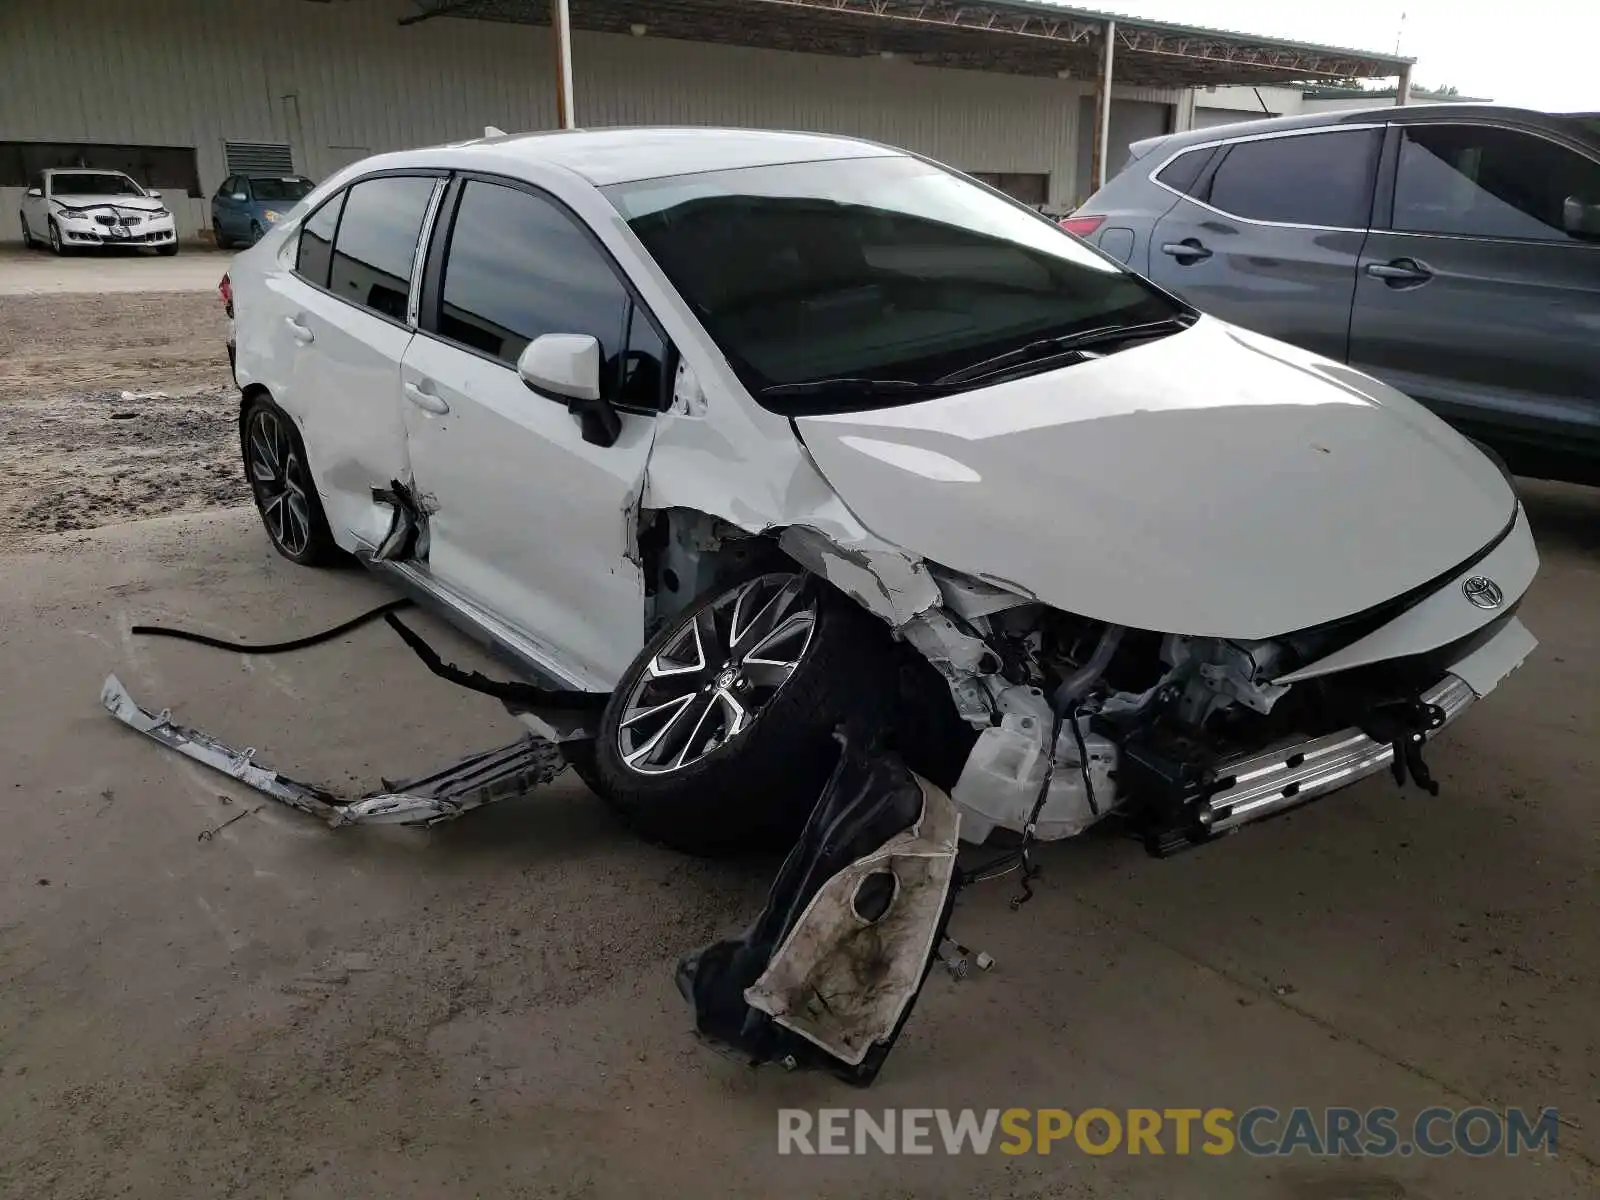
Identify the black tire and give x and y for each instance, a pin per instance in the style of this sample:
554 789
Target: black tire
256 232
27 236
57 246
224 242
754 791
291 512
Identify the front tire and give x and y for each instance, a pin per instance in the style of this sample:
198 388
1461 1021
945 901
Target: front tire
719 737
27 235
168 250
224 242
57 247
280 480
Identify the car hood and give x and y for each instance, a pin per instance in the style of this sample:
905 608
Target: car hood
135 203
1214 482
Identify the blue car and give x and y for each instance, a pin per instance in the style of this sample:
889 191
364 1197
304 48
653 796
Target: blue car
246 206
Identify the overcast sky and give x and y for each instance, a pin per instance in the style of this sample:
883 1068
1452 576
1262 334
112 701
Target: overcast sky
1534 53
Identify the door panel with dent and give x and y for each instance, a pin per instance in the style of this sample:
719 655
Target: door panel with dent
343 323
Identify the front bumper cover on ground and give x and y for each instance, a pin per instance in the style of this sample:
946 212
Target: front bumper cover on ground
441 795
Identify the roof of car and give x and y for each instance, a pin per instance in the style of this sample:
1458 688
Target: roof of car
606 156
1388 113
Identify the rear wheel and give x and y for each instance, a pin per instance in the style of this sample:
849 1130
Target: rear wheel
719 737
280 479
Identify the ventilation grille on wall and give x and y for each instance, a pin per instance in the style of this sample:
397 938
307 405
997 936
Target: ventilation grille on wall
259 158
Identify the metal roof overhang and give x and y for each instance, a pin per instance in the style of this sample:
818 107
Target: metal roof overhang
1009 36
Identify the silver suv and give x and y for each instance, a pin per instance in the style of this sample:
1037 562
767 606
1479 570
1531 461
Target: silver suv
1451 250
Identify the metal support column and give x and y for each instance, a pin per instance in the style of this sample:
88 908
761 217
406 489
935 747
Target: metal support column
1402 93
561 25
1102 109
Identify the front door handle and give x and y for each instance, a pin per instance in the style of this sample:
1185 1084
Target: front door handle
1400 272
426 400
1190 250
300 331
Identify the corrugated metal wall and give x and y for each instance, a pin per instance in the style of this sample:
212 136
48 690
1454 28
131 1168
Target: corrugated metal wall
341 80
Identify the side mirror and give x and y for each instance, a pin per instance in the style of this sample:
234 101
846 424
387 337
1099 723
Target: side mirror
240 197
36 193
566 367
154 195
1581 218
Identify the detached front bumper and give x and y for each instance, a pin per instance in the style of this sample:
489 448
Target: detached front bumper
1268 783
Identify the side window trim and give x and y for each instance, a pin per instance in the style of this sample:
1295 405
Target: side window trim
1396 132
440 178
1388 167
1203 183
431 293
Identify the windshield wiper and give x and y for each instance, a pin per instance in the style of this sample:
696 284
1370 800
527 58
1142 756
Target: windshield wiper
850 386
1068 343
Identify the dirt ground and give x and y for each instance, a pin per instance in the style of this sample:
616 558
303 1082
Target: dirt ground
274 1009
113 408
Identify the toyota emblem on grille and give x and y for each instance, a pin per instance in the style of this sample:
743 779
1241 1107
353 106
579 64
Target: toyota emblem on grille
1483 592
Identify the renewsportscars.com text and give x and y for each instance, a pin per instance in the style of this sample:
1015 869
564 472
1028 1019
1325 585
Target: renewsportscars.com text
1259 1132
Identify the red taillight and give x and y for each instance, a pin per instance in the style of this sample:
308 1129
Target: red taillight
1082 226
225 290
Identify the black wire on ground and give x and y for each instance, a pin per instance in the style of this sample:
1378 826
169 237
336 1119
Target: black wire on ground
300 643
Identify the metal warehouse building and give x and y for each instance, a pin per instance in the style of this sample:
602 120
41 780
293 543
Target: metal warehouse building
182 93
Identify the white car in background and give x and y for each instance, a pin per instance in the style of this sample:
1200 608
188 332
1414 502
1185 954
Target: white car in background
78 209
764 434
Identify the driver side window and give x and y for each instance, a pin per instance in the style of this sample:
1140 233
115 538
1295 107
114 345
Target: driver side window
1484 181
518 266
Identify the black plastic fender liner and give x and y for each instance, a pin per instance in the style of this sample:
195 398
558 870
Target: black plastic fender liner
829 972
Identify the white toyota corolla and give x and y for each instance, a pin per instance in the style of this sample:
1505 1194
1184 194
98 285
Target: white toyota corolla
76 209
761 434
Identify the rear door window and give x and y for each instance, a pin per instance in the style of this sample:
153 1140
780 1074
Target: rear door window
1307 179
518 267
1483 181
377 242
1183 172
315 255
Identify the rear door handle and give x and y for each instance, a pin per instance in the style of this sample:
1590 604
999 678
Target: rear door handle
1400 272
426 400
1187 251
300 331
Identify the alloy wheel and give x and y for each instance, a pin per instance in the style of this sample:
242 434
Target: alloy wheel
710 680
278 478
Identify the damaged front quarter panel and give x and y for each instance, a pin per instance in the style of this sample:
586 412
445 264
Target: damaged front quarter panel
884 581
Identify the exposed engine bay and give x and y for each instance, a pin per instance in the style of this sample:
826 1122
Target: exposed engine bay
1078 719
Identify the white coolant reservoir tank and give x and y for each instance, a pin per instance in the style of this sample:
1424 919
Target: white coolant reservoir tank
1068 810
1001 780
1003 775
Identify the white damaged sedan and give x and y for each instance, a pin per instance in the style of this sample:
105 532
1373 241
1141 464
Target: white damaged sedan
77 209
758 435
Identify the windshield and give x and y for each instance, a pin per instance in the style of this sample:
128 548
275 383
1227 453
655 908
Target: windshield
275 188
93 183
875 269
